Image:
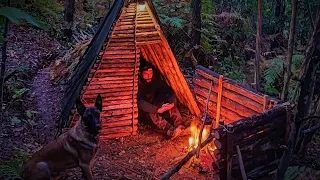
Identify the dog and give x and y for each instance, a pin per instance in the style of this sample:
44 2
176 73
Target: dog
75 148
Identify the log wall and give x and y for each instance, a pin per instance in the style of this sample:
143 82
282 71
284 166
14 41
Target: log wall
259 138
237 102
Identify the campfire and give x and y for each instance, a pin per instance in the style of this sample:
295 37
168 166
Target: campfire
206 154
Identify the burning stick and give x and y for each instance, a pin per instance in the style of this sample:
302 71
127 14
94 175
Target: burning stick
203 122
178 166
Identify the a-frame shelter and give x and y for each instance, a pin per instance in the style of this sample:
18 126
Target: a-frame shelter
110 67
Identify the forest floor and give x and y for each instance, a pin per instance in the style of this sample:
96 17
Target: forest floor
145 156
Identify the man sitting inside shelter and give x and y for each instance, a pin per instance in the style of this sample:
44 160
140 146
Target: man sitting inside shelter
158 102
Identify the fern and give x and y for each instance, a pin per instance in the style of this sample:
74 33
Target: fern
275 71
171 21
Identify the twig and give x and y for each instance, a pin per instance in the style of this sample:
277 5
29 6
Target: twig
178 166
312 129
308 118
243 172
203 122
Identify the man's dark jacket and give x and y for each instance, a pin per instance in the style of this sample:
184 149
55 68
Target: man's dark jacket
151 95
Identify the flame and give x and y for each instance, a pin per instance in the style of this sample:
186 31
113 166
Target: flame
195 132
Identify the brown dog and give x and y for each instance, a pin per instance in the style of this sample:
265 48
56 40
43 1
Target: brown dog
76 147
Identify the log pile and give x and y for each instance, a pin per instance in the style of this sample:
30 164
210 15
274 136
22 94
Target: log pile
237 102
259 139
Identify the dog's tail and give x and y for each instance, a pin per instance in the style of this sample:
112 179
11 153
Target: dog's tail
44 169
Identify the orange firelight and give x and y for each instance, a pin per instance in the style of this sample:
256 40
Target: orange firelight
195 132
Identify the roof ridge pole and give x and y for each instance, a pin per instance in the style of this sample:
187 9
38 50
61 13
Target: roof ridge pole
135 67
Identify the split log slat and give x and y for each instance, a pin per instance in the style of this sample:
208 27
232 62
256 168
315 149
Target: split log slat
104 95
116 135
101 74
146 30
118 106
121 40
116 62
110 99
116 112
121 48
141 26
121 117
100 91
113 70
114 102
114 130
118 35
153 33
233 87
94 82
148 42
127 27
122 44
244 101
118 56
107 86
121 78
147 39
109 52
226 103
119 123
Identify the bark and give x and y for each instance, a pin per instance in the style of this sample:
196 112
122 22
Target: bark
279 14
258 46
196 22
69 11
3 62
287 74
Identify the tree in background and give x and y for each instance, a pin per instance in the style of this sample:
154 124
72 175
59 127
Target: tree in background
287 74
258 47
69 10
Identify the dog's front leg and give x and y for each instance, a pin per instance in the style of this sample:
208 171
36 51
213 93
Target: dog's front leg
86 171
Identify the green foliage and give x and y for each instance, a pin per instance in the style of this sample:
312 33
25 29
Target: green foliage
13 168
171 21
16 15
274 72
232 69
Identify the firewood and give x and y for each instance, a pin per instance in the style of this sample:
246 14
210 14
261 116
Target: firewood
179 165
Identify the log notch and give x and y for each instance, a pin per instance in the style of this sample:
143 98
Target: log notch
237 102
259 138
115 77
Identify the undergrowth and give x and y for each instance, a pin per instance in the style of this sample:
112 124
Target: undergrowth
12 169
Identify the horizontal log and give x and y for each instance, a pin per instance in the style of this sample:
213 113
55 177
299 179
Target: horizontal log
119 89
113 136
124 129
244 101
231 85
119 123
150 38
115 82
124 44
121 56
233 116
128 35
118 106
146 30
122 117
142 34
148 42
121 78
117 112
111 94
115 70
119 65
109 52
110 48
226 103
99 74
120 40
118 61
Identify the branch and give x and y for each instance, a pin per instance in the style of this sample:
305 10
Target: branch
312 129
178 166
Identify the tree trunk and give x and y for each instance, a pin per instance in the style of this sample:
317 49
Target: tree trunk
307 80
69 10
258 47
287 74
279 14
196 23
3 62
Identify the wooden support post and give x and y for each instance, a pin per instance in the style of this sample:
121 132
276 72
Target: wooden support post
265 101
229 151
243 172
135 73
219 101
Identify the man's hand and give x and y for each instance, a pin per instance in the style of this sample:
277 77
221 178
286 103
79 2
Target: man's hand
165 107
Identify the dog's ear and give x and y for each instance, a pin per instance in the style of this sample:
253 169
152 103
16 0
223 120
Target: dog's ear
98 102
81 108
